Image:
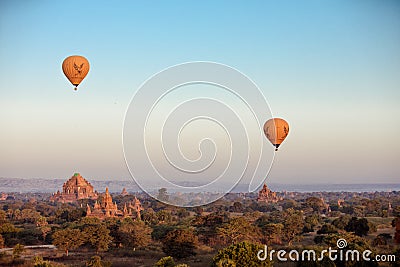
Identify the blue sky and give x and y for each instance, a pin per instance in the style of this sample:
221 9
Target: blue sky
331 68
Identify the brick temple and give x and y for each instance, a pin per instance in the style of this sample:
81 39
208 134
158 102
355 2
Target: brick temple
268 196
106 208
74 189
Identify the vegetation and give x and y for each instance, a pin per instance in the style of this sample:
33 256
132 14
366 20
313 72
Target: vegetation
180 243
228 232
17 251
96 261
68 239
165 262
237 230
134 234
359 226
240 254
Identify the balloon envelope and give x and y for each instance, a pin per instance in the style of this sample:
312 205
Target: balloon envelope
276 130
75 69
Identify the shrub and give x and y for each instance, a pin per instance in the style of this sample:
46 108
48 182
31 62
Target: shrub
327 229
17 251
240 254
96 261
318 239
165 262
180 243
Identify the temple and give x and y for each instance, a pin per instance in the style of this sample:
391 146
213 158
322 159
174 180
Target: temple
106 208
3 196
74 189
124 192
266 195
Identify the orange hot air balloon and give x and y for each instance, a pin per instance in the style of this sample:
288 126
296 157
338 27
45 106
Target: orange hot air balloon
75 69
276 131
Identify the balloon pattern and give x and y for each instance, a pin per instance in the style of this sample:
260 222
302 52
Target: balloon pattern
75 69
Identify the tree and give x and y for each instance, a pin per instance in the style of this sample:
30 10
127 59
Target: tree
293 224
358 226
164 216
162 194
113 224
379 241
272 233
396 224
310 222
29 236
68 239
39 262
226 263
327 229
1 241
237 207
318 239
372 227
149 217
238 229
354 242
8 228
165 262
43 226
240 254
358 210
96 261
272 217
206 227
134 233
98 236
325 262
183 213
71 215
180 243
3 217
341 222
29 216
18 250
396 211
317 204
212 219
95 233
160 231
9 232
198 210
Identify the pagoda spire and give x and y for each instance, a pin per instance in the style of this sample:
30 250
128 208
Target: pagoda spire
88 210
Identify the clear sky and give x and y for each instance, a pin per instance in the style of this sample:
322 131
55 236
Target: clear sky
331 68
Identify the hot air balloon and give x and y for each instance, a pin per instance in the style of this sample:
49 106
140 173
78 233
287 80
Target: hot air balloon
276 131
75 69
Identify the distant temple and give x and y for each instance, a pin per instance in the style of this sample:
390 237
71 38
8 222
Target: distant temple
124 192
390 209
3 196
268 196
107 209
74 189
340 202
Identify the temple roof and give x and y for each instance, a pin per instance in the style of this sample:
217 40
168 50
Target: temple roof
77 179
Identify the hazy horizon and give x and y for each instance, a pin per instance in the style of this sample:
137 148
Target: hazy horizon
129 179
